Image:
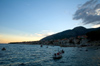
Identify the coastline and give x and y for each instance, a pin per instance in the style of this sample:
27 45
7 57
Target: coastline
88 44
79 41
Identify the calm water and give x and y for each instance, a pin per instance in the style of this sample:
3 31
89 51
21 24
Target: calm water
34 55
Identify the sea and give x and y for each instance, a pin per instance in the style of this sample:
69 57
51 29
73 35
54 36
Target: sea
35 55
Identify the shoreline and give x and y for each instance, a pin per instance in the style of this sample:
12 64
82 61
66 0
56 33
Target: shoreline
60 45
63 43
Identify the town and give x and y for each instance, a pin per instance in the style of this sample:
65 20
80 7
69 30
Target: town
79 41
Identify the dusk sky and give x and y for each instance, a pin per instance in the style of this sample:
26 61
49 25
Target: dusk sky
31 20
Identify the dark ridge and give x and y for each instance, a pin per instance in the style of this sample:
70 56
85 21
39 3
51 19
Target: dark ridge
77 31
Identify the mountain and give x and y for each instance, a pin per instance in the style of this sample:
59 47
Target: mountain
77 31
94 35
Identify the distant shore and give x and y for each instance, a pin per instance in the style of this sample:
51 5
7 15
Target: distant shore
79 41
92 43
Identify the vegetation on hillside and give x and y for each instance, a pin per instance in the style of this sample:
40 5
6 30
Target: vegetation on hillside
94 35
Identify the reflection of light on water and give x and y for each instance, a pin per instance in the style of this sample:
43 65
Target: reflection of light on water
12 64
42 59
96 59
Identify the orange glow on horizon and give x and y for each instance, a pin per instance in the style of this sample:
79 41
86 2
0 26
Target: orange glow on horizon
15 38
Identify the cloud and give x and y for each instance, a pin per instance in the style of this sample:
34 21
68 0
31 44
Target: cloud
6 38
44 33
89 12
95 26
0 36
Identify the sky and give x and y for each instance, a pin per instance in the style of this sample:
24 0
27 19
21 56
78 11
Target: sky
31 20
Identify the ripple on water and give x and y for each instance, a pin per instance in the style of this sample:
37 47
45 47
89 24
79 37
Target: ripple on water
34 55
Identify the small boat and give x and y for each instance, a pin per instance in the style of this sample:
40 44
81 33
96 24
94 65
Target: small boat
3 48
47 47
41 45
62 51
57 56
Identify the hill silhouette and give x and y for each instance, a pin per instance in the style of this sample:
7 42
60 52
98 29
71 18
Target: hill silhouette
77 31
94 35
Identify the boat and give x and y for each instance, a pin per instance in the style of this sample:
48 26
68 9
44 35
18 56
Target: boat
58 55
3 48
62 51
41 45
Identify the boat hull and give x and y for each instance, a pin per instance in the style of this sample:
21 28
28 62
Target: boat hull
57 57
